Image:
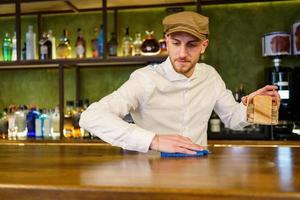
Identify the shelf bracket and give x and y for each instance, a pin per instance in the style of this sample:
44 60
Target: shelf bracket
72 6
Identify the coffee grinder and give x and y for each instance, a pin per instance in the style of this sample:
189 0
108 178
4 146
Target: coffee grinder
277 45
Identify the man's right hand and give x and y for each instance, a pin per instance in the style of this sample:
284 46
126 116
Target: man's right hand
174 144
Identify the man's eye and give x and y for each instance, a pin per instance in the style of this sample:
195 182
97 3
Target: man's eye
191 45
175 43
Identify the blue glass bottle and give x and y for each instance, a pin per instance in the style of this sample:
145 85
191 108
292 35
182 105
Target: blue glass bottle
32 115
101 42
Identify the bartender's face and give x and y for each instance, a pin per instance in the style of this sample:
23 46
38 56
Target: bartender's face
184 51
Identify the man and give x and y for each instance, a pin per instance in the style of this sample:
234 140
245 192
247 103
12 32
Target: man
170 103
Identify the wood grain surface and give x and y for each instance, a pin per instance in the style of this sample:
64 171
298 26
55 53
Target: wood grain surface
105 172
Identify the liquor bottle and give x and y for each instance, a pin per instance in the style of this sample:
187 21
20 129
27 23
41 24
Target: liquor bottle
32 115
45 48
127 44
101 42
3 124
7 48
64 48
150 45
51 38
14 47
113 45
137 43
94 44
38 125
43 124
30 44
80 45
55 119
68 119
215 123
239 93
12 129
20 121
77 132
24 52
86 103
163 46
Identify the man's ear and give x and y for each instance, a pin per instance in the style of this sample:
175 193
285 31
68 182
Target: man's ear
204 45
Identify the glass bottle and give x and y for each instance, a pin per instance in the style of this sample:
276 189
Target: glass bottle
20 121
12 128
7 48
14 47
51 38
43 124
45 48
64 48
215 123
80 45
150 45
163 46
77 132
239 93
24 52
32 115
113 45
94 44
127 44
68 119
55 130
3 124
30 44
137 43
101 42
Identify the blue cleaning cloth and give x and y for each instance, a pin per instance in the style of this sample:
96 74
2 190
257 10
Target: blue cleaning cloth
198 154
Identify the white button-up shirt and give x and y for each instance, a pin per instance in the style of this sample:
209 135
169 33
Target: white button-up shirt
162 101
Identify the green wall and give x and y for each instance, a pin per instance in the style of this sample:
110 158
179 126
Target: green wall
234 50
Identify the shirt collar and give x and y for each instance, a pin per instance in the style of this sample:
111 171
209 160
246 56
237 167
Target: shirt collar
172 75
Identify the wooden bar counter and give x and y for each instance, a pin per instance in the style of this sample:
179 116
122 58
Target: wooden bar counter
99 171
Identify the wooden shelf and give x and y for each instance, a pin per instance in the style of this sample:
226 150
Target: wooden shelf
31 7
88 62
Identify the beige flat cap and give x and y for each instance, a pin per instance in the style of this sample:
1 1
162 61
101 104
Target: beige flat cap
187 21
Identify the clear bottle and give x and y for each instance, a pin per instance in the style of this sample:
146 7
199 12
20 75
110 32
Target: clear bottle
12 128
55 130
94 44
38 125
7 48
137 43
113 45
30 44
101 42
20 121
68 119
64 48
14 47
32 115
127 44
45 48
150 45
51 38
43 124
80 45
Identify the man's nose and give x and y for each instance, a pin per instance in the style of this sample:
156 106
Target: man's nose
182 51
